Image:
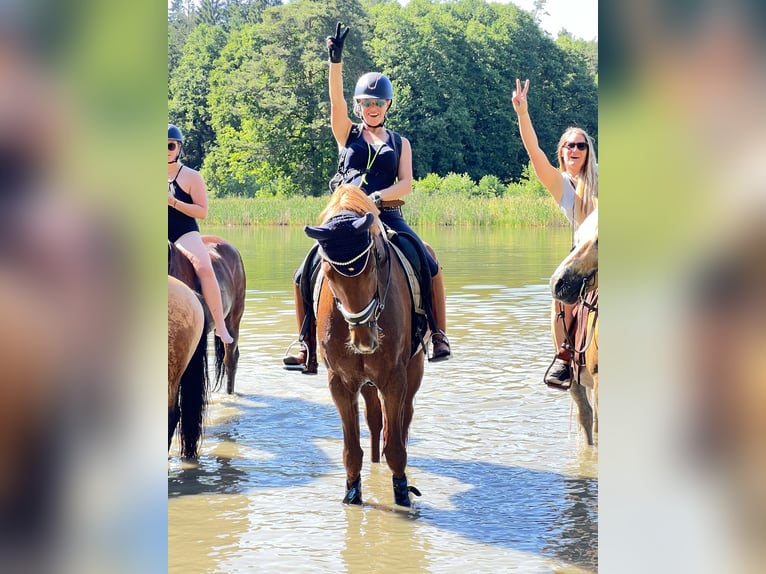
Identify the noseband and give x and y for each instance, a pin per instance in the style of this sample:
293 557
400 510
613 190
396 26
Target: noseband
367 317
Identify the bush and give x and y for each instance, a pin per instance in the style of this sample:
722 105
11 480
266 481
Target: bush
429 185
457 184
528 184
490 186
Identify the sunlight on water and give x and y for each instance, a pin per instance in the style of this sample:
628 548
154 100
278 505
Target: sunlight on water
508 483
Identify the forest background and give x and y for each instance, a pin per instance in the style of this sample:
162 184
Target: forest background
247 84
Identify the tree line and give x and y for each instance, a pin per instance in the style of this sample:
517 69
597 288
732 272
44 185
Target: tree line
247 84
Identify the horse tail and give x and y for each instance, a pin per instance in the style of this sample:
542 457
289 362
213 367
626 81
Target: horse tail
219 356
194 388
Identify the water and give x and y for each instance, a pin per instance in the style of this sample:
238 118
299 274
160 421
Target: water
508 482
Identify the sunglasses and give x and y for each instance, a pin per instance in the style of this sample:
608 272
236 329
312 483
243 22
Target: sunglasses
172 146
579 145
372 102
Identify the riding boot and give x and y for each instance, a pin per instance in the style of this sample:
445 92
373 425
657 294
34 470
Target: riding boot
440 343
307 343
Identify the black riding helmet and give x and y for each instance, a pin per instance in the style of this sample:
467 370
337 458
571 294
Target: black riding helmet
174 134
373 85
370 86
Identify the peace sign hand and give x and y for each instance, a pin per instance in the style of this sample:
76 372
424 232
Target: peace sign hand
519 99
335 44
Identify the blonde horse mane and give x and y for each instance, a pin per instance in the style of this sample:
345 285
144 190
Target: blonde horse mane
349 197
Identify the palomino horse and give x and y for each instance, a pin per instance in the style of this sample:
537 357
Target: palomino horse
576 279
364 315
230 272
187 366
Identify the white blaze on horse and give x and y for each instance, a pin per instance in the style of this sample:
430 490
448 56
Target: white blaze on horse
576 281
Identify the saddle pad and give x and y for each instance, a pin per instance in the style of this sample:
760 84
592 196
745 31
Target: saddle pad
412 280
316 281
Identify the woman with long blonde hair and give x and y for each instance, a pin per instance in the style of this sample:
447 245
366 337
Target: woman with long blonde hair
574 186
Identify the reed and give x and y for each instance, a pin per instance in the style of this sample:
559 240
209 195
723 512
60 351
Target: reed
420 210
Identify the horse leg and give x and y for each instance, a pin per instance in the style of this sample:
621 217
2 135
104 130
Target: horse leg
584 410
231 351
414 377
374 416
394 399
595 402
347 403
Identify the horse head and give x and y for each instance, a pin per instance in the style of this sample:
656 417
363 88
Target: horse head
345 244
578 272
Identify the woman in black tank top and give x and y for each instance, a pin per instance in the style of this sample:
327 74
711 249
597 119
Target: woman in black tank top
385 175
187 202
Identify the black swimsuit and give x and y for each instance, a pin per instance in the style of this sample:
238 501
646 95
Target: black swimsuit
179 223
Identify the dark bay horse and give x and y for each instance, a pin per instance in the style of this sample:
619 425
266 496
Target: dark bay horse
187 366
576 280
230 272
363 328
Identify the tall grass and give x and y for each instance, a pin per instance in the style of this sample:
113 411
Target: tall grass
420 210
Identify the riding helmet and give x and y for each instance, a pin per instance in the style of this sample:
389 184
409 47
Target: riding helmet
373 85
175 134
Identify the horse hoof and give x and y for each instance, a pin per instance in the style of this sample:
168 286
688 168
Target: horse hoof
353 492
402 491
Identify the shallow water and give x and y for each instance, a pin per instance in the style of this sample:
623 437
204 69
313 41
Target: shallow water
508 483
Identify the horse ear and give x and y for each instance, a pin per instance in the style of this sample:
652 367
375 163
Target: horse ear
363 223
317 233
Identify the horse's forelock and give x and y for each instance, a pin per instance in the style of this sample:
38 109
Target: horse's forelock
351 198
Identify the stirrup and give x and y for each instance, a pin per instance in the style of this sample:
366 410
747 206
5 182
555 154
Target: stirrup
437 358
290 363
563 385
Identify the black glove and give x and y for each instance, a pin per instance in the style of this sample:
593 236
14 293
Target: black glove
335 44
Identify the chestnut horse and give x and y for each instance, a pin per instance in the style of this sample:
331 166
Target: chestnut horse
230 272
576 279
187 366
364 315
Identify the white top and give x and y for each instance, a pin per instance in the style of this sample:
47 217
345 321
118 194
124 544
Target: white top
568 199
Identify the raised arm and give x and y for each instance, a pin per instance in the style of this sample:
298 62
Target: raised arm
549 175
339 120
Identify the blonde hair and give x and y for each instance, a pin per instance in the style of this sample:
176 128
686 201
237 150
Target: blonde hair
587 187
349 197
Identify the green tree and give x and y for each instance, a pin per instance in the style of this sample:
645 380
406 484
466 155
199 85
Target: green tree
269 102
188 91
180 25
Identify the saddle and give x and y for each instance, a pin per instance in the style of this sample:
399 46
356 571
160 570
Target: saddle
414 262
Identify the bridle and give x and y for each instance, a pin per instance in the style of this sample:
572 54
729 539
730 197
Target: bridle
367 317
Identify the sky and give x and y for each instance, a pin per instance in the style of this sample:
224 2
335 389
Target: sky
579 17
